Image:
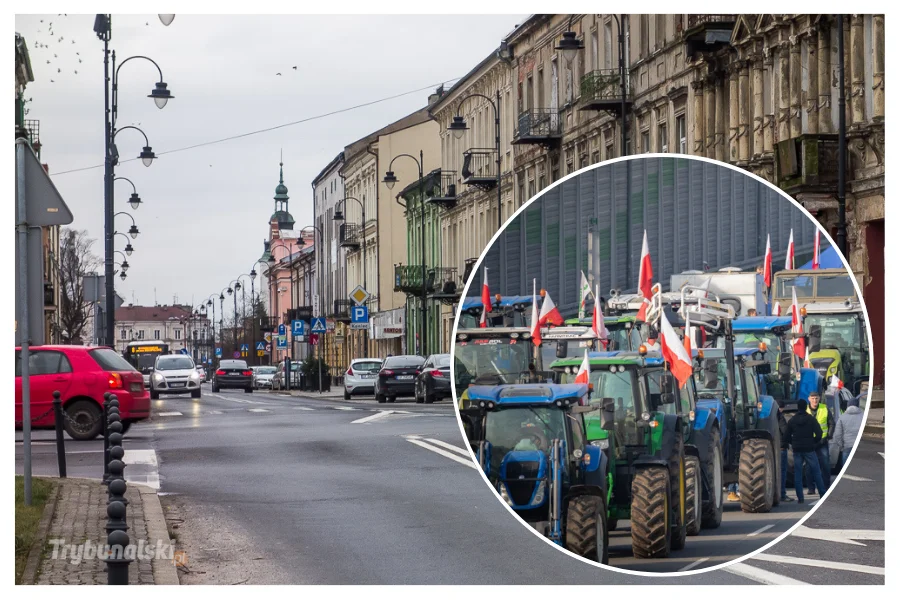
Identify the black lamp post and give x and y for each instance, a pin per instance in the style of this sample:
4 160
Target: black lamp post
253 301
339 216
390 180
211 304
272 262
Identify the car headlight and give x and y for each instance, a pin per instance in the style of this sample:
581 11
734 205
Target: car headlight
602 444
195 375
158 378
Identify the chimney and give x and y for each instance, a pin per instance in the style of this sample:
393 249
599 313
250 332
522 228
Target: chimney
437 95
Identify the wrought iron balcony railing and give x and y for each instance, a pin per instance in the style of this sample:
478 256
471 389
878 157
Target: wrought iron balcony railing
480 167
538 126
350 235
444 284
707 33
444 193
602 90
268 324
698 20
342 310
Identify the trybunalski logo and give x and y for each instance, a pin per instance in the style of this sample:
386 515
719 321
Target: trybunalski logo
142 550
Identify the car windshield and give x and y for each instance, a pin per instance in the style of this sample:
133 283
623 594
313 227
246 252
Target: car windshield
837 330
521 428
110 360
500 360
265 370
441 360
400 362
174 363
620 387
752 339
802 283
711 378
368 365
835 286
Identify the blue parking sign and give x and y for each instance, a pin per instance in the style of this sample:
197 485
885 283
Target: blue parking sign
359 314
282 330
218 353
298 327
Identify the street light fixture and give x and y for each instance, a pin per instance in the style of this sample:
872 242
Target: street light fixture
339 216
458 127
135 200
166 19
147 156
128 248
133 231
569 45
161 94
390 180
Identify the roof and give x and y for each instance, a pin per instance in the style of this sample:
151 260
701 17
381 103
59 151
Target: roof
360 145
334 161
742 324
23 57
600 359
463 80
429 179
533 393
152 313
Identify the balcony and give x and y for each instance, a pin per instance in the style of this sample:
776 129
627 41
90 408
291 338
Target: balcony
538 126
444 284
444 192
268 324
350 235
707 33
49 296
33 133
602 90
342 310
408 279
470 265
480 168
301 313
807 164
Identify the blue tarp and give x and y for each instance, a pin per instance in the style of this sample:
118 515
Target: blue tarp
506 301
829 259
759 323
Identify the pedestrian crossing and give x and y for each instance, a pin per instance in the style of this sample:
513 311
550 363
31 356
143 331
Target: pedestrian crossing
374 416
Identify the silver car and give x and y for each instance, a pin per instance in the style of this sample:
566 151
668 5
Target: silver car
262 376
360 376
174 374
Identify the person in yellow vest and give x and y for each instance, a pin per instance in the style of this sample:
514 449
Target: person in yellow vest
820 411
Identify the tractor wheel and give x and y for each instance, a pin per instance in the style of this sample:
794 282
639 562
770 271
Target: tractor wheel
756 477
678 488
586 530
712 510
611 524
693 491
651 536
776 452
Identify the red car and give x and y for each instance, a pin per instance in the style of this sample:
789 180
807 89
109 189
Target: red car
82 375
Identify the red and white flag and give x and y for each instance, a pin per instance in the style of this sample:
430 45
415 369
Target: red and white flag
776 310
789 259
485 301
797 327
767 265
584 371
645 278
585 293
702 290
535 319
835 382
688 335
815 261
597 326
674 352
549 313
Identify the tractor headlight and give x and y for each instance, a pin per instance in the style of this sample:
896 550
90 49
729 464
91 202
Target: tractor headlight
645 416
602 444
504 494
539 494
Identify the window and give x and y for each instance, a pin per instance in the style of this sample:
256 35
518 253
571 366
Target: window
681 134
44 362
607 45
660 30
123 334
645 141
530 189
139 334
110 360
645 36
177 334
662 142
156 334
595 50
609 150
542 183
595 157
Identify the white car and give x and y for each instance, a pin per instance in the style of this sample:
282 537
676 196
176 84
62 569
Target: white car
263 376
360 376
174 374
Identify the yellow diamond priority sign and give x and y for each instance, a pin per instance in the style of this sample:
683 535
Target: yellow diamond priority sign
359 294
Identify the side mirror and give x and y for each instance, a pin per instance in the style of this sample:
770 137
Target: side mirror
815 338
608 414
784 364
667 385
667 398
710 374
562 348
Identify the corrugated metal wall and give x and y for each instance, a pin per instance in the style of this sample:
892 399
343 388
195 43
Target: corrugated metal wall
695 212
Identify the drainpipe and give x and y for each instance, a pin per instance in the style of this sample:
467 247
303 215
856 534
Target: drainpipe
841 236
377 236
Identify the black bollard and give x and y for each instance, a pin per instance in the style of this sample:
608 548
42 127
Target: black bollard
117 561
106 398
117 489
60 443
115 512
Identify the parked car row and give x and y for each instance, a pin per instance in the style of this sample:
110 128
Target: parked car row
425 379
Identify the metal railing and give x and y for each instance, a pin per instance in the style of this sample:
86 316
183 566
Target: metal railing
538 123
444 280
408 279
479 164
604 85
350 234
445 190
342 309
698 20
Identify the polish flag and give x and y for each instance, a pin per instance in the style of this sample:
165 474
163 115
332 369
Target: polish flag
688 335
549 313
702 290
797 327
674 352
789 259
535 320
835 382
767 269
645 278
585 292
597 326
815 260
776 310
485 301
584 371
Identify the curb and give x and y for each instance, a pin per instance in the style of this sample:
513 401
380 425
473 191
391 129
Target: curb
30 572
164 571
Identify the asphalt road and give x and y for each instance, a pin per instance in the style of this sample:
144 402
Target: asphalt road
264 488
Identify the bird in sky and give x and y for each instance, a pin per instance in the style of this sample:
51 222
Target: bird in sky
59 70
51 81
79 60
76 72
295 68
279 74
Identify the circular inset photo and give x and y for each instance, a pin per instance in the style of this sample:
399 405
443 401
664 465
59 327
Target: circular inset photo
658 362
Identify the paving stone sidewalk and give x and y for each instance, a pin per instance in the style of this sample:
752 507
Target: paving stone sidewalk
80 517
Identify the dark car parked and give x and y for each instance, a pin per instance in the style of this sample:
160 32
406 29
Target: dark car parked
397 377
233 374
433 383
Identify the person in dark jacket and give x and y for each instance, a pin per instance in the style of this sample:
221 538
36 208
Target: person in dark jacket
782 426
804 434
823 415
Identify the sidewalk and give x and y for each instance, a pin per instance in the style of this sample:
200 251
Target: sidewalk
875 423
78 517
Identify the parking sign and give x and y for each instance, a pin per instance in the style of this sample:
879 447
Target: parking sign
359 317
298 327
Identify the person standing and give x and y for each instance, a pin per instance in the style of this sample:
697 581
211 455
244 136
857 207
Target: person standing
847 428
782 427
803 435
824 417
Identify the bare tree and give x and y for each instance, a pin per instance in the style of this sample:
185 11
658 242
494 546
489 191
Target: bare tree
75 261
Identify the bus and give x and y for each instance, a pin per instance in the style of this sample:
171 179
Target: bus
142 356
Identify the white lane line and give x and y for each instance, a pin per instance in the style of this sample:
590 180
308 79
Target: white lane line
144 476
215 412
825 564
373 417
882 454
140 457
285 395
239 400
760 530
463 461
345 408
855 477
456 449
693 564
169 414
761 575
303 408
258 410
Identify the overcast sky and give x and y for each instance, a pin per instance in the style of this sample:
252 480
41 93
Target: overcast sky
205 210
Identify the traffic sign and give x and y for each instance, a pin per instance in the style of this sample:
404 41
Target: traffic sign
268 347
329 325
236 354
245 347
314 338
359 314
260 352
218 353
282 330
184 351
318 325
298 327
260 345
359 294
282 342
268 336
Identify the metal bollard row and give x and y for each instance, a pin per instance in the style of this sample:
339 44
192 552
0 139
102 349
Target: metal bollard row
118 561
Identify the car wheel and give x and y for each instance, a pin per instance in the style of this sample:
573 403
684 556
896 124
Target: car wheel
248 390
154 395
429 398
346 394
195 393
418 398
379 398
84 420
392 399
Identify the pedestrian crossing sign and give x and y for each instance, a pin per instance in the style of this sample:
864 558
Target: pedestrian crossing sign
318 325
260 345
245 347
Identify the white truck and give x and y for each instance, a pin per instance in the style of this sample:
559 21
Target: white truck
742 290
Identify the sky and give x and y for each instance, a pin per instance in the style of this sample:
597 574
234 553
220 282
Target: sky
205 210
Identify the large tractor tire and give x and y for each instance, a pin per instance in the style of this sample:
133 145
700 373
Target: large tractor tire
692 495
651 536
714 467
756 476
586 529
776 452
678 488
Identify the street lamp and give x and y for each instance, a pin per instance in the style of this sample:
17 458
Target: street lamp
570 45
166 19
133 231
135 200
390 179
128 247
319 287
339 216
272 262
211 304
459 127
125 264
147 156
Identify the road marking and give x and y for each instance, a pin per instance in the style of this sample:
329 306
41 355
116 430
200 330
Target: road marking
258 410
215 412
854 477
285 395
463 461
760 530
144 476
374 417
239 400
344 408
825 564
761 575
303 408
882 454
169 414
456 449
841 536
693 564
